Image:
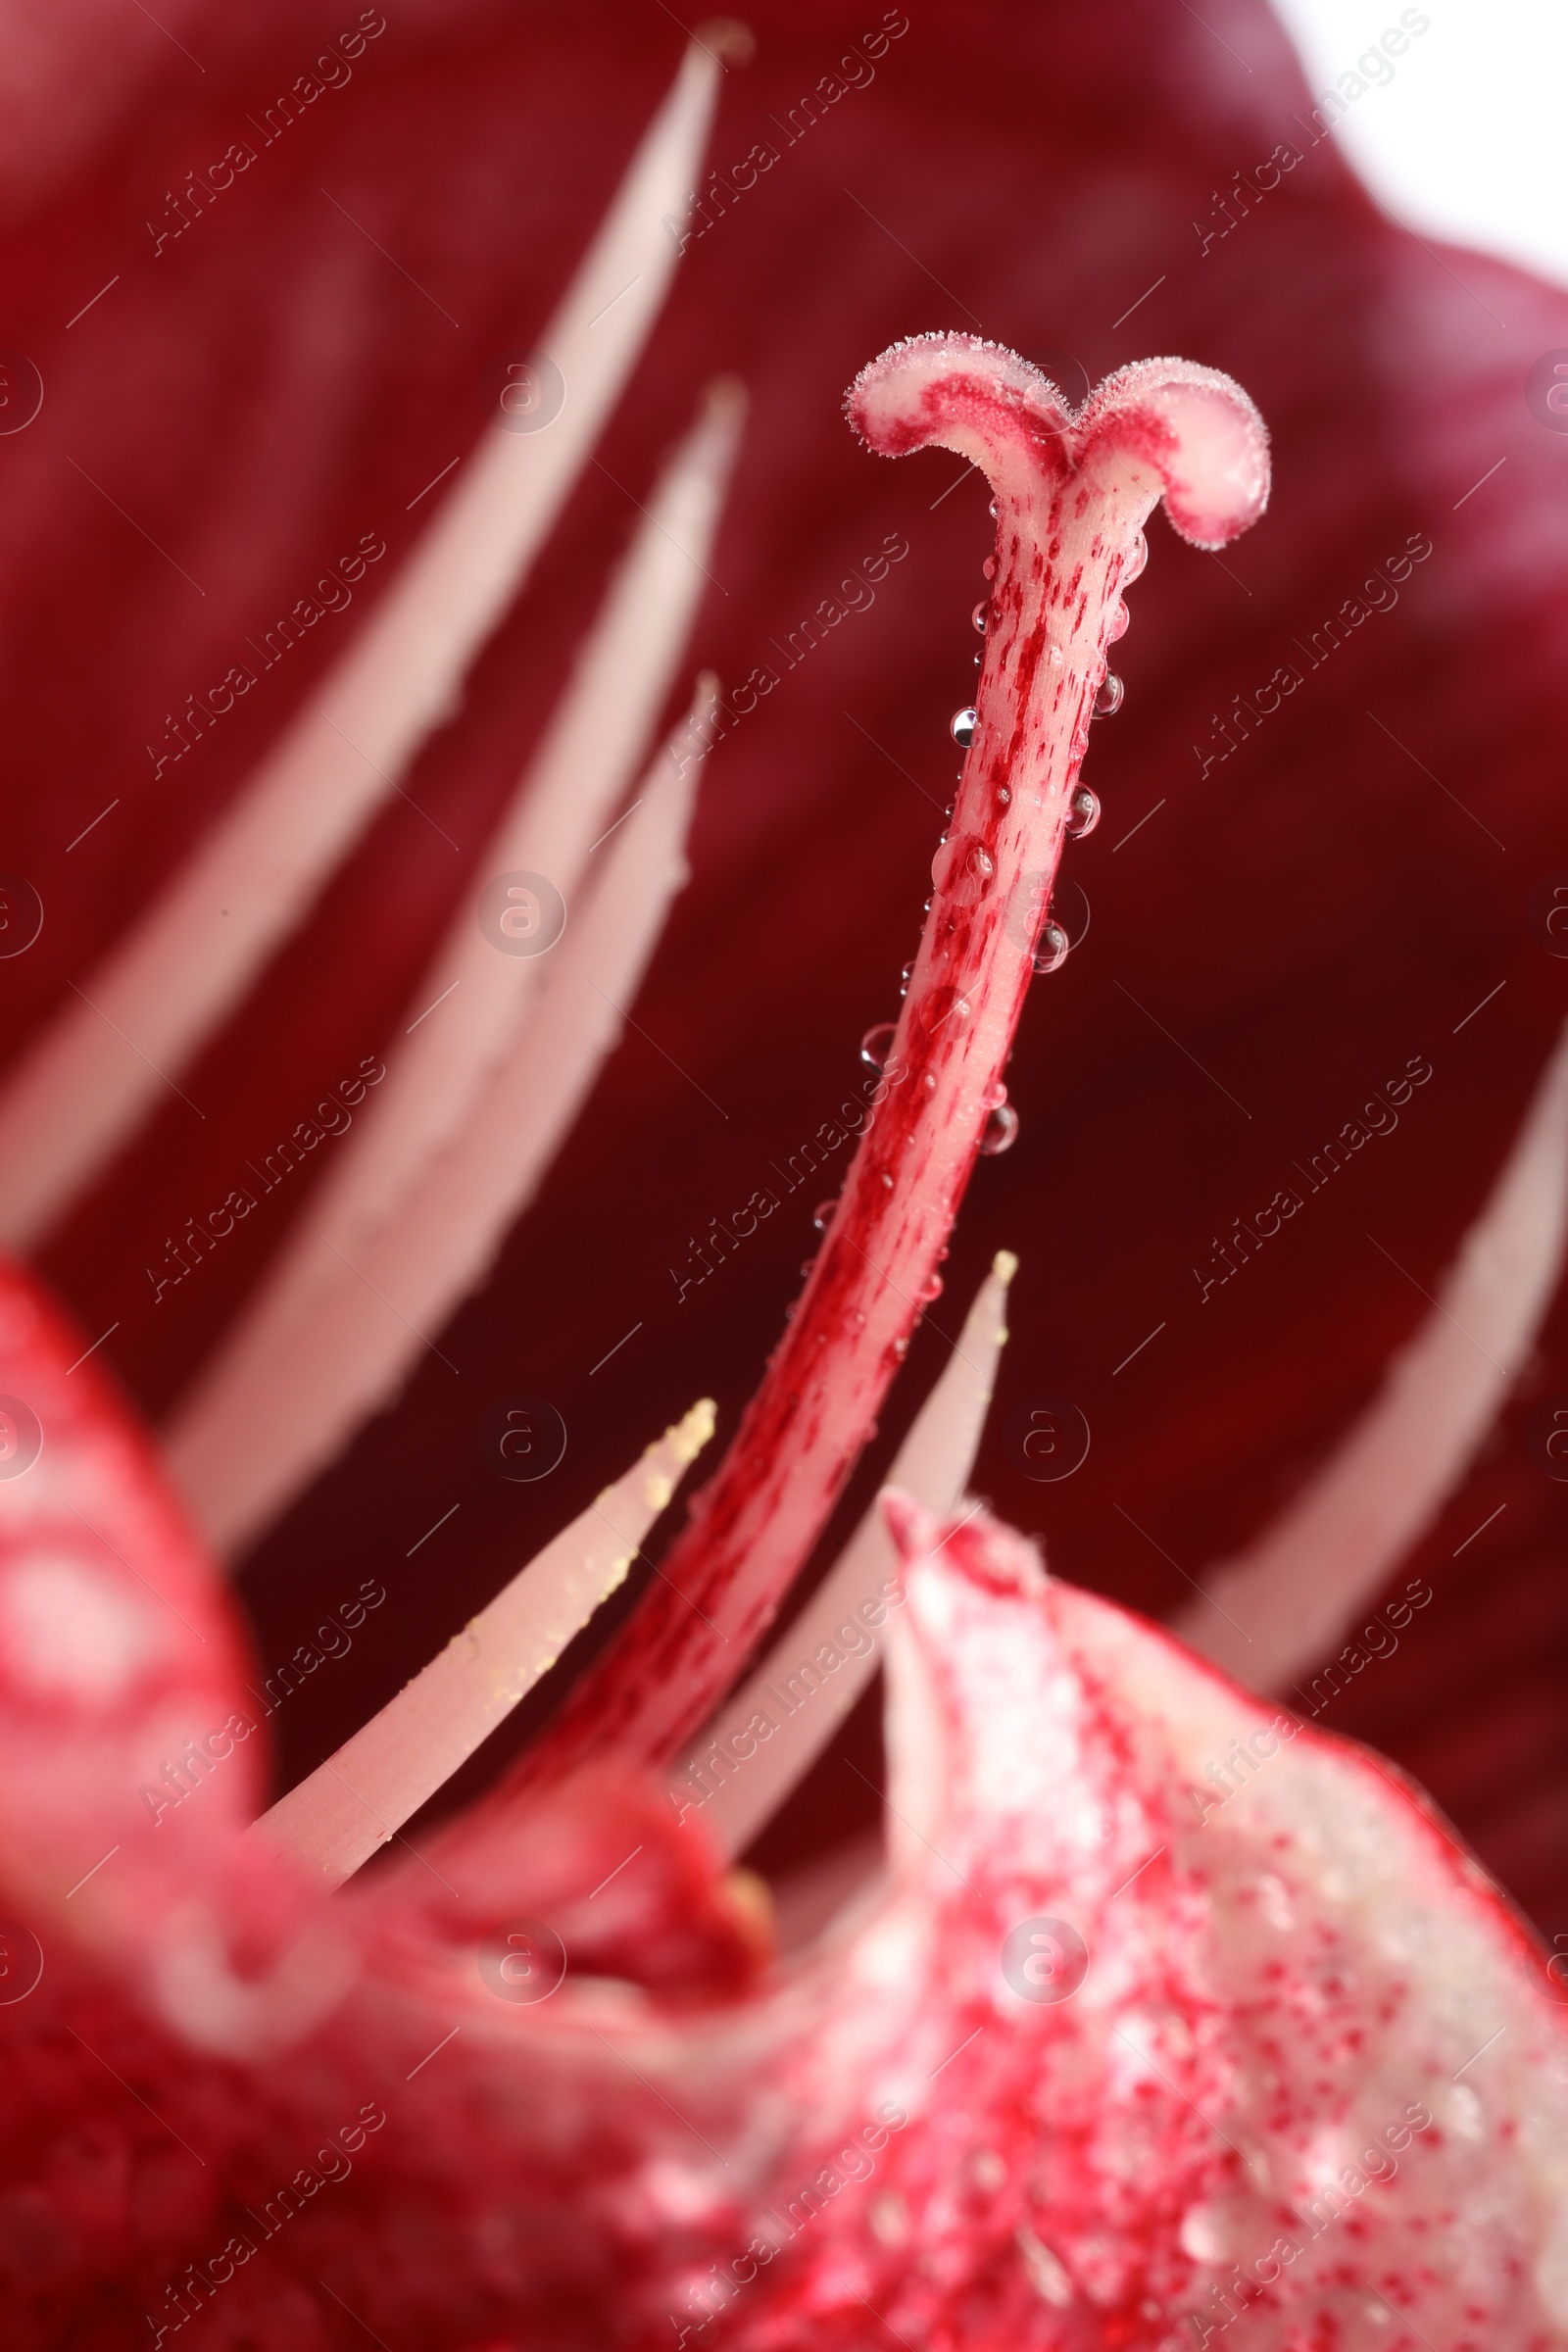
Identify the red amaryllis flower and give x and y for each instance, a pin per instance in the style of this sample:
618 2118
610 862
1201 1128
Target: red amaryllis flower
209 2033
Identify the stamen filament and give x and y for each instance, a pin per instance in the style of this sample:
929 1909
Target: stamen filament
352 1805
99 1065
282 1398
1295 1591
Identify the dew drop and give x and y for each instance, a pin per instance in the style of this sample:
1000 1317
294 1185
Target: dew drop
992 510
942 1007
1108 700
1083 814
1052 952
962 866
989 568
962 724
903 979
930 1289
1118 624
877 1043
807 1266
1137 560
823 1215
1000 1130
981 614
1003 797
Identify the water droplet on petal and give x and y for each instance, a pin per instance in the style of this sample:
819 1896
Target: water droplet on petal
1000 1130
930 1289
823 1215
1108 700
1003 797
989 568
981 614
1118 624
981 863
992 510
1137 560
962 724
903 979
1052 952
807 1266
1083 814
878 1043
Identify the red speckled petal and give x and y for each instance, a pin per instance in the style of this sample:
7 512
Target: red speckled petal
118 1648
1169 2011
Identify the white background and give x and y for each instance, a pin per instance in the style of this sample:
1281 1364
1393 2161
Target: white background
1470 138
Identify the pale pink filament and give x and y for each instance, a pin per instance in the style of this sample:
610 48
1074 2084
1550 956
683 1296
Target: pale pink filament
1295 1591
360 1797
472 1006
265 1417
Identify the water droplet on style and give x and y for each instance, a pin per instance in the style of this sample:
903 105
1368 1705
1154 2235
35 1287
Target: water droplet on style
962 724
876 1045
823 1215
1083 813
1000 1130
1108 700
1052 952
981 614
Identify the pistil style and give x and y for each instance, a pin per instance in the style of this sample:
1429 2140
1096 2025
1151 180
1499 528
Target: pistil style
1073 489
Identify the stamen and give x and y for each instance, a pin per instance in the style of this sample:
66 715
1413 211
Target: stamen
1295 1591
583 767
481 999
1073 492
284 1397
335 1820
88 1080
933 1464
